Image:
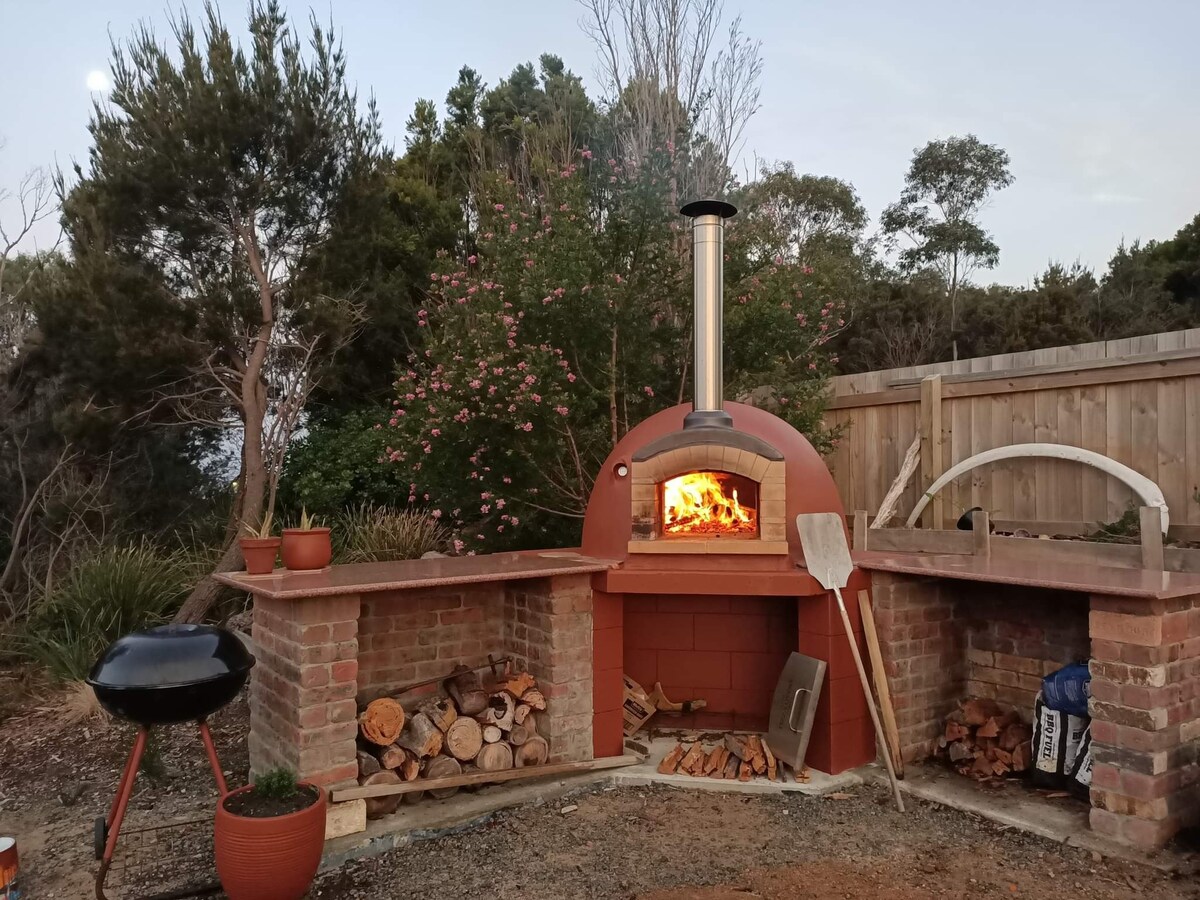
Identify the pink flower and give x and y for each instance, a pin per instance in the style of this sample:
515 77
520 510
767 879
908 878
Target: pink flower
528 426
570 376
485 509
515 520
437 513
561 410
486 495
435 432
458 545
649 391
500 504
472 259
586 154
512 229
499 207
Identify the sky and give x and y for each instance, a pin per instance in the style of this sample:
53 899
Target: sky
1097 103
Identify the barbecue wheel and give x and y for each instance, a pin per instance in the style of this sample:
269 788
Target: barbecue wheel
99 836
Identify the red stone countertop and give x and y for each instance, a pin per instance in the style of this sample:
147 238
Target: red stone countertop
1140 583
407 574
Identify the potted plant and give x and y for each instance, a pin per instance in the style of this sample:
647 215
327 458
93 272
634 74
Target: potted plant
268 837
259 547
308 546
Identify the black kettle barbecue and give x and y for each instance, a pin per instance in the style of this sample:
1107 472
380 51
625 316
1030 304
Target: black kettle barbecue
162 676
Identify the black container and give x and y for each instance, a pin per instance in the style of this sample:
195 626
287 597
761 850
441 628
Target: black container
172 673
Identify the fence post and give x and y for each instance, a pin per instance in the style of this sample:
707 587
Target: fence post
932 464
1150 520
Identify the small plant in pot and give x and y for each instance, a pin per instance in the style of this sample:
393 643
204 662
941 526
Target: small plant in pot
259 547
308 546
268 837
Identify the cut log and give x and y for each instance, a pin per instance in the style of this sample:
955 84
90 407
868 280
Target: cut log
516 684
421 736
522 713
694 755
393 756
670 762
367 764
494 757
377 807
534 752
500 711
732 764
956 732
718 770
440 711
442 767
381 722
491 734
745 771
466 690
535 699
410 770
982 766
711 761
519 735
463 739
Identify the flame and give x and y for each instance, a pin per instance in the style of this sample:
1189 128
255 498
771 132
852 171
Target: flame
697 503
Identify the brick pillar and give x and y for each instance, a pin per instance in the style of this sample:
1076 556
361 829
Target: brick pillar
1145 711
302 689
922 646
548 625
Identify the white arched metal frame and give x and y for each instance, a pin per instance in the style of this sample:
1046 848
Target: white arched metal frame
1147 490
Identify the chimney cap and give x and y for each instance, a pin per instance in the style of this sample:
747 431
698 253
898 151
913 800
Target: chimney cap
709 207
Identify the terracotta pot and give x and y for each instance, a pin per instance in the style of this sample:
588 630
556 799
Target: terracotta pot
311 549
269 859
259 554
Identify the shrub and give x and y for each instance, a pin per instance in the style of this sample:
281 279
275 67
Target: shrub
369 533
109 593
276 784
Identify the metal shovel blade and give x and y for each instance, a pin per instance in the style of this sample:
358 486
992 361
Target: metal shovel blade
826 553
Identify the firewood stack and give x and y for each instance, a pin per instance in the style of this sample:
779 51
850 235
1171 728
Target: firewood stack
737 756
476 728
984 739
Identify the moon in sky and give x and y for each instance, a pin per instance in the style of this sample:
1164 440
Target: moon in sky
97 81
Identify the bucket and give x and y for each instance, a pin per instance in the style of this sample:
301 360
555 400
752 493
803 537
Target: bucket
9 889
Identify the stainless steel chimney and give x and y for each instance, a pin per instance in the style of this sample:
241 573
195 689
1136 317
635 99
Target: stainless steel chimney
708 261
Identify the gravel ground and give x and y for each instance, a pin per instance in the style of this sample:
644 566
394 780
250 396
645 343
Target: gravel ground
647 843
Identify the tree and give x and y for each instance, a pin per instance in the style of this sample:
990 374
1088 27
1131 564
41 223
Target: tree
804 215
220 170
946 188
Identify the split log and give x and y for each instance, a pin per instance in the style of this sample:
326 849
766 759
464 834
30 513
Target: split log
955 732
670 762
745 771
736 744
694 755
758 759
732 764
978 710
491 734
463 739
989 729
442 767
377 807
772 763
1022 757
535 699
440 711
500 711
367 764
381 722
711 761
516 684
466 690
393 756
520 734
534 752
521 713
1015 734
494 757
718 769
421 736
960 751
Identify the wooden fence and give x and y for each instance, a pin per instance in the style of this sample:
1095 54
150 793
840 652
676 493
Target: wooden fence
1135 400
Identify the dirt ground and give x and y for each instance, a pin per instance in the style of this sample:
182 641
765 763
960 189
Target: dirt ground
645 843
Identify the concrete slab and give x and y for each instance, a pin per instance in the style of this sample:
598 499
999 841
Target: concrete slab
1062 820
657 747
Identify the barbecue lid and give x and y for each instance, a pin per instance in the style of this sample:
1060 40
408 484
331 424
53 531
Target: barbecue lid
170 656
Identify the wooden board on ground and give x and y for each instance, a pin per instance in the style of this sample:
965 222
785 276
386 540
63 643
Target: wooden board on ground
571 768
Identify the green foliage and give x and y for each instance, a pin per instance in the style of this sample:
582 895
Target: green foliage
113 591
276 784
1126 529
370 533
336 465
